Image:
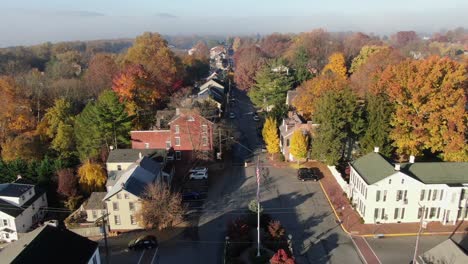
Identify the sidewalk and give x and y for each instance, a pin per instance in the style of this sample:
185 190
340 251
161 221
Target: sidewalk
351 221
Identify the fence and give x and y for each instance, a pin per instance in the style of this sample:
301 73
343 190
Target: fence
344 186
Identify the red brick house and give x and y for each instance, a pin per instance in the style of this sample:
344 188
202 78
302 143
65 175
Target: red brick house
189 134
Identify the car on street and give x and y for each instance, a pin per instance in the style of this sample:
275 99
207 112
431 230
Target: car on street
256 118
143 242
198 176
232 115
307 174
199 169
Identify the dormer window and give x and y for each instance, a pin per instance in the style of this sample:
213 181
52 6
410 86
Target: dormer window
177 129
191 119
119 167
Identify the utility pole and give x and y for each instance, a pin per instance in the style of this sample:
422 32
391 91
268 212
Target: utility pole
103 221
419 235
258 206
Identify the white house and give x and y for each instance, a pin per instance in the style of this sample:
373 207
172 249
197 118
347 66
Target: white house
123 196
21 206
387 192
51 244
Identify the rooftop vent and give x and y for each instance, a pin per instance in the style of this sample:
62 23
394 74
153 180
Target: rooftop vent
376 149
397 166
411 159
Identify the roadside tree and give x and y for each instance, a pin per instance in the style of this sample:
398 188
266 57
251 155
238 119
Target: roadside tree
299 145
270 135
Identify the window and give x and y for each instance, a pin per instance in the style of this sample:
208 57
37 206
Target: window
126 196
177 155
287 142
441 194
115 206
402 213
7 235
433 212
204 128
438 212
205 141
177 141
385 195
376 213
399 195
421 197
434 195
377 197
5 222
117 219
420 212
132 220
425 214
395 215
94 214
405 196
365 194
191 119
119 196
389 181
383 213
402 181
429 195
168 144
119 167
146 145
177 129
131 206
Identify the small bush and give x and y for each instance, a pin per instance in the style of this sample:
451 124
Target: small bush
282 257
276 230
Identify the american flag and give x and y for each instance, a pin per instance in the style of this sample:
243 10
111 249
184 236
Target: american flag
258 184
258 175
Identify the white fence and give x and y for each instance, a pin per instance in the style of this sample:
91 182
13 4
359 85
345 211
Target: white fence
339 180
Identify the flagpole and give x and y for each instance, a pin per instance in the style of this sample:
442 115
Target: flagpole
258 207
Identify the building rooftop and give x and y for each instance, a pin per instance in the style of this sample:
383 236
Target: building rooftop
14 210
445 252
132 155
14 189
48 244
95 201
373 167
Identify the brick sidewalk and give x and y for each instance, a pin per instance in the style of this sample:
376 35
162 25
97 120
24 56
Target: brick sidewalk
352 220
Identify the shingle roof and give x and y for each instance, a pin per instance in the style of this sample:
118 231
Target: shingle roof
438 172
131 155
445 252
14 189
48 244
14 210
95 201
373 167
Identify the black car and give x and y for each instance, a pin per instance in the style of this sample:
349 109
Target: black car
143 242
307 174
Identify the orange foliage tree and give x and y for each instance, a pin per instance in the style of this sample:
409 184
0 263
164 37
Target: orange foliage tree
430 102
336 65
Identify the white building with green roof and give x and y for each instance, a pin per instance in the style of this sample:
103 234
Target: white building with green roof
387 192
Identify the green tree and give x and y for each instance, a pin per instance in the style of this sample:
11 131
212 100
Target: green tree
300 63
336 112
378 113
270 88
270 135
299 145
59 127
87 134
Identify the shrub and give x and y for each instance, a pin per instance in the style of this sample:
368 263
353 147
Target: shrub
276 230
281 257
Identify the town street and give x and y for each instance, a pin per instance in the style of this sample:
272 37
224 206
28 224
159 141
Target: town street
301 207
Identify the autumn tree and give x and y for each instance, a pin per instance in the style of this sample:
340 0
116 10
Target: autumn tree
58 123
299 145
202 52
275 45
354 43
281 257
338 114
249 60
403 38
24 146
92 176
236 44
276 230
270 135
313 89
153 52
430 102
336 65
101 70
160 208
67 182
363 55
270 88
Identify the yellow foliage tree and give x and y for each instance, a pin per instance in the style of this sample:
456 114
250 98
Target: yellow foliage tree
92 176
299 145
336 65
270 135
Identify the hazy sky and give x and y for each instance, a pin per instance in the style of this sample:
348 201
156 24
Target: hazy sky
26 22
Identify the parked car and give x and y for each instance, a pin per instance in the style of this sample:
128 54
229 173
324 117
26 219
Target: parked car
198 176
143 242
256 118
199 169
307 174
232 115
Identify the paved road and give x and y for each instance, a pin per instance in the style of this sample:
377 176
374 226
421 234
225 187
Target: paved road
301 207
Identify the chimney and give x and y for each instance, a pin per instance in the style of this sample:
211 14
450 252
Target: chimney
111 148
177 111
18 177
140 155
376 149
411 159
397 166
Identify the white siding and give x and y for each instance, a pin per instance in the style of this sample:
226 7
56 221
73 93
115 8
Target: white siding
123 213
